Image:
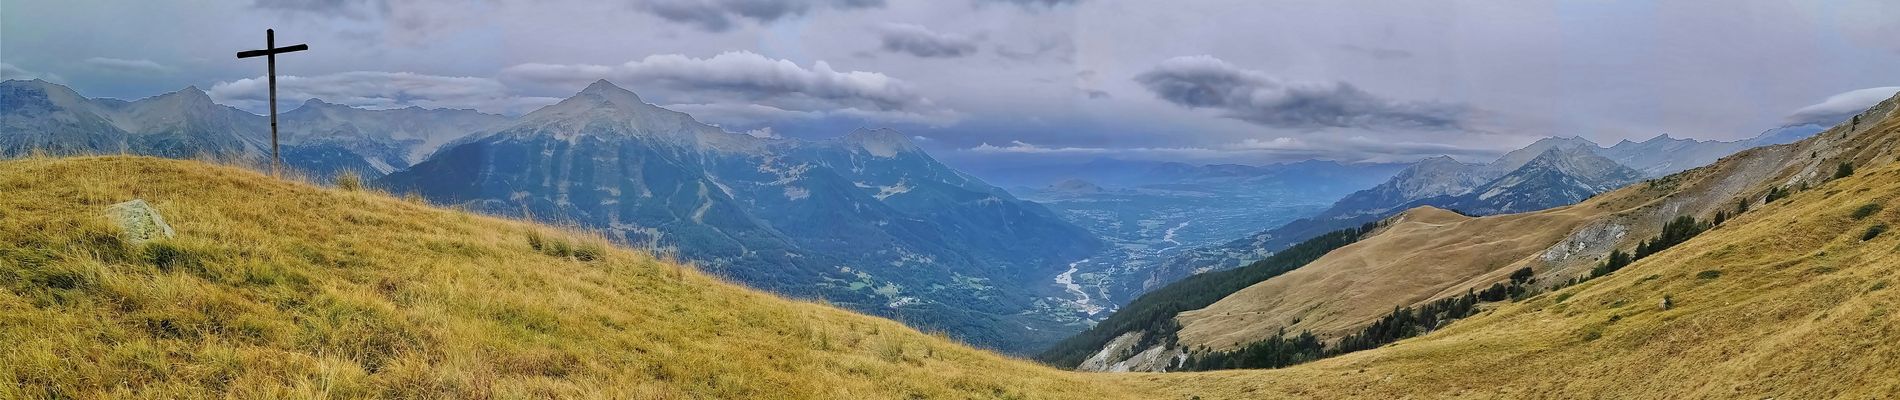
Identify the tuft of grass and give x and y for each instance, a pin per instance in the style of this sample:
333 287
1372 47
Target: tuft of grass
567 247
1708 274
348 180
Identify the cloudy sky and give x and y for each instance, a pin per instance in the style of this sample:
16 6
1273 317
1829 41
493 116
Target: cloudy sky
1011 81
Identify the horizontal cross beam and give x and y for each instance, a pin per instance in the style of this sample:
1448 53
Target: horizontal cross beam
273 50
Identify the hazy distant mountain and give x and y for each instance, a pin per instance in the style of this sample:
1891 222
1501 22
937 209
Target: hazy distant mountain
1527 179
1072 188
383 140
1560 176
41 116
1118 173
1788 134
1663 155
865 220
318 138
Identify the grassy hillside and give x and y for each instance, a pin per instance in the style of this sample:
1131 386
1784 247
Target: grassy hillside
278 289
1336 294
1787 301
1416 263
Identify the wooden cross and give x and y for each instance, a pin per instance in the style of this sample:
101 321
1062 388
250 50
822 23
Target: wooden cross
270 52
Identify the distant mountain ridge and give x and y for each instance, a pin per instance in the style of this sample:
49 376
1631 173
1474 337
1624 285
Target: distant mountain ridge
42 116
1559 176
317 138
1118 173
387 140
1497 187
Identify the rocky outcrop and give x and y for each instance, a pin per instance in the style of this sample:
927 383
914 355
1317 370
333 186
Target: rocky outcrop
1120 355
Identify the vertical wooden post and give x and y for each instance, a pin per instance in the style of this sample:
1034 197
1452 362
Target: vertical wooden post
270 61
269 52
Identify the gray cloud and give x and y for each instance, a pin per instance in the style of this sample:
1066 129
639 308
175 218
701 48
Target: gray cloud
922 42
1347 149
1254 96
1060 49
750 114
1494 57
1842 106
1379 53
738 88
380 90
333 8
120 65
1033 3
720 15
737 77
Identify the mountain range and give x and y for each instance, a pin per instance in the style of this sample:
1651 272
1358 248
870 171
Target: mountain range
953 253
1783 288
1547 173
317 138
1426 267
866 220
40 116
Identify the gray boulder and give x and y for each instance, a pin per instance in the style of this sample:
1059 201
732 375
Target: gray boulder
140 220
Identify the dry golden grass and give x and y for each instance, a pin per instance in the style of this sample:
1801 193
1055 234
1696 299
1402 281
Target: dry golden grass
280 289
1785 302
1426 253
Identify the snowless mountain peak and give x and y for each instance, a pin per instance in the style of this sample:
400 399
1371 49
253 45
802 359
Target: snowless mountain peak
36 83
318 104
881 142
1439 159
1554 141
612 93
604 101
1559 154
190 94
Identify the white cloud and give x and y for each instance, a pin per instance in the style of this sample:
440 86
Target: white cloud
763 133
746 86
741 89
1841 106
922 42
719 15
381 90
11 72
1022 148
1348 149
740 114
